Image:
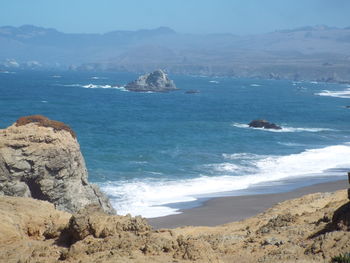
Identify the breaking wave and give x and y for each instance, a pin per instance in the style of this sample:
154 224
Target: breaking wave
94 86
284 128
345 94
150 197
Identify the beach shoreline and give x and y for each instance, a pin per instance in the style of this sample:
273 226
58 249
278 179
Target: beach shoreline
222 210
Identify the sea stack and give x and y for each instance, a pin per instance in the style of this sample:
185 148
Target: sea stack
156 81
264 124
41 158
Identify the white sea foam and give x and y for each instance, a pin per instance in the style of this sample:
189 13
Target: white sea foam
224 167
255 85
240 125
94 86
121 88
345 94
149 198
243 156
291 129
284 128
247 162
247 166
98 77
291 144
214 81
72 85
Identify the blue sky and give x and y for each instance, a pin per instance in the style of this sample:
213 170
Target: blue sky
186 16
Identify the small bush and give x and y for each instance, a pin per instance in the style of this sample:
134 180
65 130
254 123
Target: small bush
342 258
45 122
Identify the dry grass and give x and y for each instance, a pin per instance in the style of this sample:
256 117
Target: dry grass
45 122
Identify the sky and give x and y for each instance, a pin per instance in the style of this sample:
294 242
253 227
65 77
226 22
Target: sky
184 16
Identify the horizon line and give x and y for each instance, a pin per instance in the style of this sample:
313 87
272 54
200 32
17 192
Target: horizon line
306 27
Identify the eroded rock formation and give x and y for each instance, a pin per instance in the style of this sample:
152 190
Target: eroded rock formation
41 158
156 81
293 231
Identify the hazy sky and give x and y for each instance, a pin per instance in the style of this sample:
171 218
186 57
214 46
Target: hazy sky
187 16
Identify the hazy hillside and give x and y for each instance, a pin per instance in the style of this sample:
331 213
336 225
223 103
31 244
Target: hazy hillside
317 53
49 47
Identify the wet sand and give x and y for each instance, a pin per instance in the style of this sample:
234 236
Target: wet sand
223 210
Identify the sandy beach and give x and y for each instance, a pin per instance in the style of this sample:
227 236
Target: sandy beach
224 210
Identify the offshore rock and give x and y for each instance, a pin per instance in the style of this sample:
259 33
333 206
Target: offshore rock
263 124
156 81
41 158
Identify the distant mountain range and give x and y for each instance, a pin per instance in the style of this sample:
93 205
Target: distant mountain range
309 53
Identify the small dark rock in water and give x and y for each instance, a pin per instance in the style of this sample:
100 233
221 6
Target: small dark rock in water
192 91
347 106
263 124
156 81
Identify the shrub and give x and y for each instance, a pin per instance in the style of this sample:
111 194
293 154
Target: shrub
45 122
342 258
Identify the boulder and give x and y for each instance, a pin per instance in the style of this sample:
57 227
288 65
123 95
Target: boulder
156 81
263 124
41 158
92 221
341 218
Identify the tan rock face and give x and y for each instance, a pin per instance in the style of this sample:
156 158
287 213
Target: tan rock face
45 163
26 218
300 230
92 221
33 231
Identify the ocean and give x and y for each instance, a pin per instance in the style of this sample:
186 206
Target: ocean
156 153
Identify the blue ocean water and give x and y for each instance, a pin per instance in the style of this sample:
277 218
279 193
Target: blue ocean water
150 150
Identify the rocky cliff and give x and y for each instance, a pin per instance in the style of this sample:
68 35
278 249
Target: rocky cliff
311 229
156 81
41 158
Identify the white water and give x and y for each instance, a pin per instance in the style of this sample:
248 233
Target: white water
345 94
98 78
284 128
94 86
149 198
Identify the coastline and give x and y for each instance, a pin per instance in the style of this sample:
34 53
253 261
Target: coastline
222 210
